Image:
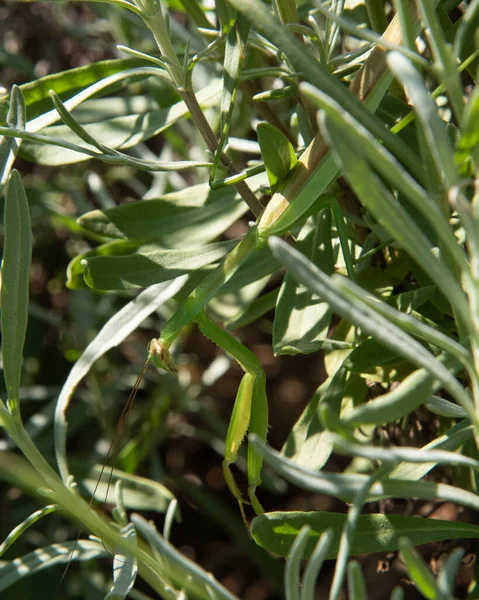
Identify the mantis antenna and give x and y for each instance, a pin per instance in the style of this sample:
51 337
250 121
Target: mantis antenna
111 452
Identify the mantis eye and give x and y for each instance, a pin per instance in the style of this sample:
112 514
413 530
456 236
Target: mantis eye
160 356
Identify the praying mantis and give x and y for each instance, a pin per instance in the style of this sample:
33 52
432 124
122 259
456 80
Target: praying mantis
303 186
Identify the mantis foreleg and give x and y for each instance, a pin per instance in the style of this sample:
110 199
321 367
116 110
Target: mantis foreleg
250 412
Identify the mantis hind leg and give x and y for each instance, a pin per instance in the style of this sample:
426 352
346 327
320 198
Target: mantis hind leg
259 426
250 412
237 429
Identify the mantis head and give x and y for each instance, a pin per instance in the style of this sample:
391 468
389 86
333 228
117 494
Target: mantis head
160 357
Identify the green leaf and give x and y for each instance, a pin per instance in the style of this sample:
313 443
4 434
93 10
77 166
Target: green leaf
26 524
347 486
452 439
408 396
138 493
319 76
293 564
380 201
418 570
369 355
277 531
118 132
446 580
46 557
151 264
9 147
356 583
444 408
256 309
438 141
76 271
233 63
287 11
277 152
100 109
302 319
259 264
391 170
17 255
66 83
311 442
194 216
125 568
412 300
467 147
314 564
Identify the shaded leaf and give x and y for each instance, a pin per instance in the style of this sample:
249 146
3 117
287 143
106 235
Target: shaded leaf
118 132
277 531
66 84
15 273
302 319
138 493
151 264
195 215
46 557
125 568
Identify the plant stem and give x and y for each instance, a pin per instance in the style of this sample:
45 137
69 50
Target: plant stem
209 137
156 24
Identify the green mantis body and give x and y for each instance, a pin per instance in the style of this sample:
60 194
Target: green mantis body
308 180
250 411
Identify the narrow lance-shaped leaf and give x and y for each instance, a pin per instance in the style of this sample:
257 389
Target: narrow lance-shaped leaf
347 486
445 59
26 524
302 319
46 557
192 216
125 569
98 86
9 147
115 132
293 564
190 571
316 449
315 563
434 127
114 158
468 145
277 531
17 255
67 82
446 580
149 265
418 570
356 583
287 11
233 63
319 75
